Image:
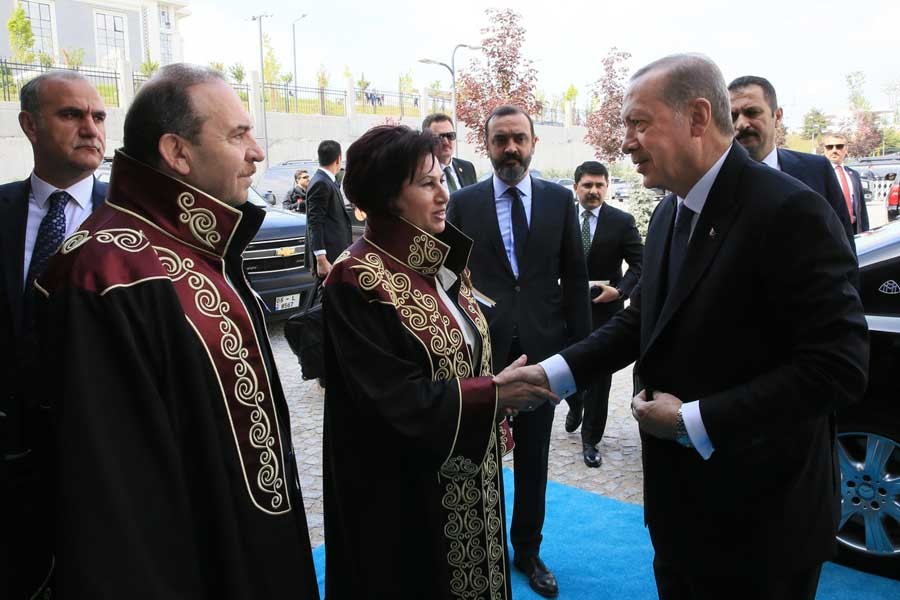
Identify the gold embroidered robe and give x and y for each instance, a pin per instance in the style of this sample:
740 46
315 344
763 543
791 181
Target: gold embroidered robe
177 477
413 437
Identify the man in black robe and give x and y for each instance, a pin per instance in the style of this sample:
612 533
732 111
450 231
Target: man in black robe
177 477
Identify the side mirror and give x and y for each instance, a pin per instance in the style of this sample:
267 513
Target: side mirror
270 197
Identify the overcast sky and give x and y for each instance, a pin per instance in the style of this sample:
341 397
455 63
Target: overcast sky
805 47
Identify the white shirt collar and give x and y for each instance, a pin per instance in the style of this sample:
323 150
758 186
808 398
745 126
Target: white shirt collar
772 159
593 211
331 175
81 191
523 186
696 197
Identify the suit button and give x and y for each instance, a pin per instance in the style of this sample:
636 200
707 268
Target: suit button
518 289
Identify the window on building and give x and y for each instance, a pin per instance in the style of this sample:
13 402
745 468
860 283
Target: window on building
110 39
165 49
41 26
164 20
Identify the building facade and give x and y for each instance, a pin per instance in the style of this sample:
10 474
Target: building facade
108 31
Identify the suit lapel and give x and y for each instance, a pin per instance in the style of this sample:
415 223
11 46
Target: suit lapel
13 221
538 236
602 218
709 233
789 163
491 224
98 196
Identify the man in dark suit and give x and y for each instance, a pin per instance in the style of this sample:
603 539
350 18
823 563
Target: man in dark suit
328 230
458 173
528 259
748 334
63 117
756 117
836 147
608 236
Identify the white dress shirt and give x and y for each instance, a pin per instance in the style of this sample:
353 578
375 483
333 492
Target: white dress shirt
771 159
562 382
593 218
76 212
445 280
503 204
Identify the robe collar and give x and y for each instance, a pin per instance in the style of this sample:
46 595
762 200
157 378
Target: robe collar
419 250
180 210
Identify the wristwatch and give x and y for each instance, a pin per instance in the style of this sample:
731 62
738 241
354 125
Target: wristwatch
681 434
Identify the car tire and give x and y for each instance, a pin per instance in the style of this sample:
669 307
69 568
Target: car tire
869 529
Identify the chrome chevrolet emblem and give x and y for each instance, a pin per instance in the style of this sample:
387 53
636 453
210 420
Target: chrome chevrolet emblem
289 251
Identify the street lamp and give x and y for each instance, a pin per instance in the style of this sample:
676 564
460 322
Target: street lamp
452 68
294 38
262 79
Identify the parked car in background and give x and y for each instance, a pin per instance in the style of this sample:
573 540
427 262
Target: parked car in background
868 439
619 189
275 261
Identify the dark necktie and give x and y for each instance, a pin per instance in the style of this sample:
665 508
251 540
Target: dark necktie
451 183
50 236
678 248
519 226
586 231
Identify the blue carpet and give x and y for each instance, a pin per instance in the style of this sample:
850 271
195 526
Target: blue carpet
598 548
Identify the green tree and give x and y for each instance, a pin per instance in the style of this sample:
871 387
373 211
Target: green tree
149 67
45 59
217 66
892 140
322 77
571 94
237 73
406 83
73 57
641 204
362 83
287 78
21 37
855 83
815 123
271 65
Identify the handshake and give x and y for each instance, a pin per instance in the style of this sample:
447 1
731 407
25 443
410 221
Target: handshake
523 388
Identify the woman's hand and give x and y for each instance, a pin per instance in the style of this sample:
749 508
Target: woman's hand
519 389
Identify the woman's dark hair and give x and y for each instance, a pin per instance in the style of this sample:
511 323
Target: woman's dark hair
379 163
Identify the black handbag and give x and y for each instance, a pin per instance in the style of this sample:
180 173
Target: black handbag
304 332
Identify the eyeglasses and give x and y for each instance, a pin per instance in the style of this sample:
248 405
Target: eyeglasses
833 146
449 136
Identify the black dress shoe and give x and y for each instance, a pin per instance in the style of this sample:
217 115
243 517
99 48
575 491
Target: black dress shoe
540 578
573 419
591 456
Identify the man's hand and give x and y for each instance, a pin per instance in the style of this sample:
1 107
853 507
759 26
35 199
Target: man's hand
608 294
523 388
657 417
323 267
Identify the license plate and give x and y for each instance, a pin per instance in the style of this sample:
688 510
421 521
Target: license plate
286 302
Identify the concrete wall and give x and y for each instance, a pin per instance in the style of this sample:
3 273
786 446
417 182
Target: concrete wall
297 137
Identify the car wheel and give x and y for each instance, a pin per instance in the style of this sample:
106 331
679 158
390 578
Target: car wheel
869 529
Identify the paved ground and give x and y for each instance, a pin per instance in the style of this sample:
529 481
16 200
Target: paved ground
619 477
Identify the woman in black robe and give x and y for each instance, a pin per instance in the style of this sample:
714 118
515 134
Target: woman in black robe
415 427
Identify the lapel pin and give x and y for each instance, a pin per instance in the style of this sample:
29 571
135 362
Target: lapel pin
712 233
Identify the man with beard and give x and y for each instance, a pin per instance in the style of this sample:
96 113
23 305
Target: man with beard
458 173
608 236
756 117
527 258
64 118
177 477
748 335
836 147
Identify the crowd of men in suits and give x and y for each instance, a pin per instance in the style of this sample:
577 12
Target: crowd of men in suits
742 316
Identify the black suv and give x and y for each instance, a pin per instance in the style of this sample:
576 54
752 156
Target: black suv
275 261
868 444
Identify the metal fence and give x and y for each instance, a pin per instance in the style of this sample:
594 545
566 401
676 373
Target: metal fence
551 116
14 75
243 92
393 104
439 104
138 79
305 100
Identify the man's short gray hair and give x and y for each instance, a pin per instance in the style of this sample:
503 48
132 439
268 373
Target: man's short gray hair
691 76
30 94
163 105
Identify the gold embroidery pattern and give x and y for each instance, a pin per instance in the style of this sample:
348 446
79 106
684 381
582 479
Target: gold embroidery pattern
247 391
477 317
424 255
129 240
77 239
421 314
201 221
342 256
490 482
465 527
